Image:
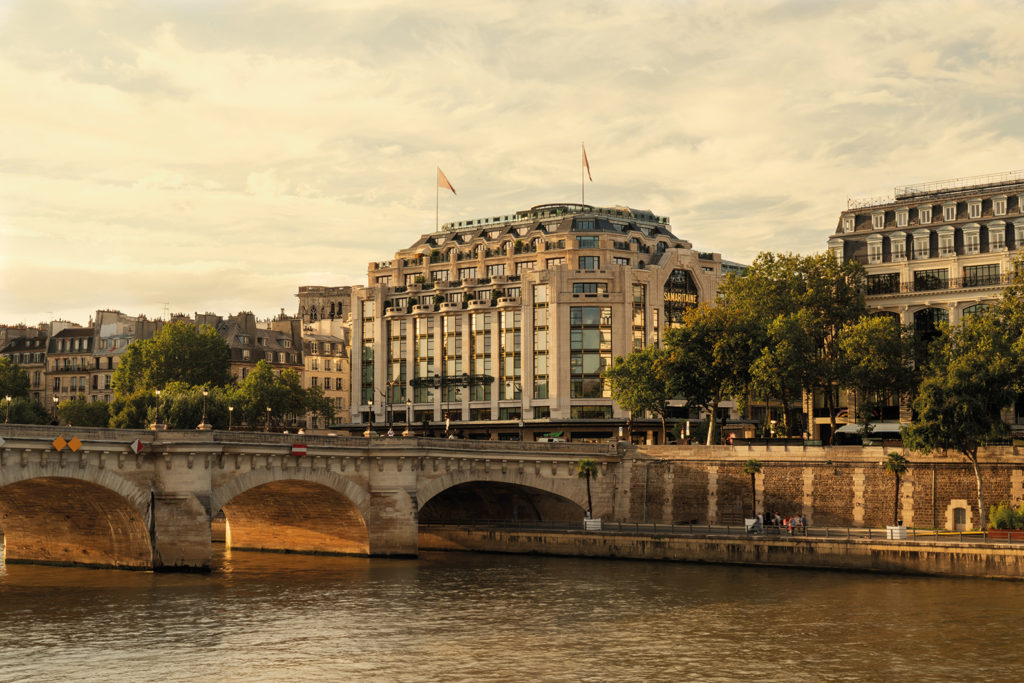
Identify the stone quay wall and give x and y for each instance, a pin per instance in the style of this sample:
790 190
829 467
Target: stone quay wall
831 486
991 560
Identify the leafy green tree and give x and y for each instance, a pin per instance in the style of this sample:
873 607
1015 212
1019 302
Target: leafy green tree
261 389
896 465
318 404
179 352
14 380
136 410
879 362
640 383
587 469
777 371
753 468
710 355
967 382
82 413
25 411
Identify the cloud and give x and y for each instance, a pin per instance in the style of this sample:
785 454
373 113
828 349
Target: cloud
280 141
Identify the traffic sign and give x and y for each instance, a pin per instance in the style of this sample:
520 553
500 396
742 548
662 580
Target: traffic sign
136 446
1 441
298 449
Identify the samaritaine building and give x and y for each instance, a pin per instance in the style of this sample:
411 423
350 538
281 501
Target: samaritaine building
500 327
939 250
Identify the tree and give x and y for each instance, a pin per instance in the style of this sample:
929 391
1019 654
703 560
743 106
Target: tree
879 355
134 410
262 389
896 465
318 404
179 352
777 371
587 469
966 383
640 383
752 467
82 413
28 412
710 355
14 380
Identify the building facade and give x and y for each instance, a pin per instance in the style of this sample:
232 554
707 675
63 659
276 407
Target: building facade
500 327
326 352
324 303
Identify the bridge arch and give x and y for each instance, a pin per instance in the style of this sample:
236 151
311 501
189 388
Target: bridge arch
563 498
74 515
294 511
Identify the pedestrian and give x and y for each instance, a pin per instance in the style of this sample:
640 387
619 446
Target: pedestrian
391 431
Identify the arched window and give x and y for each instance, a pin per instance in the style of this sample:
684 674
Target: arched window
927 321
974 310
332 309
680 296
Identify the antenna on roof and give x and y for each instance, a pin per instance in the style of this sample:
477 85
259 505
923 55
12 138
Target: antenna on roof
167 309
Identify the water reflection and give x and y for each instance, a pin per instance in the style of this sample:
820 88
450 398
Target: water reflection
266 616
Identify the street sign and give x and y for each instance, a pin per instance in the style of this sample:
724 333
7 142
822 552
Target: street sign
298 449
1 441
74 444
136 446
59 443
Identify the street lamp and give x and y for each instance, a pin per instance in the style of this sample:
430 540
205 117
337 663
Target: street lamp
231 414
268 418
55 402
517 387
408 418
369 429
203 425
156 424
8 417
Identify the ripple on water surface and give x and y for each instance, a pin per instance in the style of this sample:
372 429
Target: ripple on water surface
265 616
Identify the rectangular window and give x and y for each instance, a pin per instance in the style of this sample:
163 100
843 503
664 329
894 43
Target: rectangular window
541 295
946 245
467 273
584 224
875 252
451 336
972 242
924 214
555 262
999 206
921 247
480 349
523 266
397 361
423 367
590 262
384 280
620 261
878 221
590 412
886 283
639 316
902 217
981 276
949 212
899 248
588 242
848 222
510 341
927 280
496 269
590 288
974 209
590 348
439 276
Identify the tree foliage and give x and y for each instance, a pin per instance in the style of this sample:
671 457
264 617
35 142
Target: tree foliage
179 352
587 469
897 465
14 380
82 413
879 363
967 382
640 382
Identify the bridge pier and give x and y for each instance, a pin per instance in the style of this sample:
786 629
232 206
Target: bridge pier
392 526
180 533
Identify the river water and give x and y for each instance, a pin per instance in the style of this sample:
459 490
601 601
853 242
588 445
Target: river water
475 617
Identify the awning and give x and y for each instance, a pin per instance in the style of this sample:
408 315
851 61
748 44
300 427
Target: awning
552 435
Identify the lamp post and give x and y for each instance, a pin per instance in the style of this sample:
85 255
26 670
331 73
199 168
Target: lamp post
231 414
268 419
7 418
156 423
55 402
517 387
203 425
369 430
408 418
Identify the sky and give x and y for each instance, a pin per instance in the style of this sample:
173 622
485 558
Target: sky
208 155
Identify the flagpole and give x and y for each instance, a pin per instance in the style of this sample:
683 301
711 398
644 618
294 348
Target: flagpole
583 191
437 192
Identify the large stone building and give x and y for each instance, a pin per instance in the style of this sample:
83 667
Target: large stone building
326 353
935 251
324 303
500 327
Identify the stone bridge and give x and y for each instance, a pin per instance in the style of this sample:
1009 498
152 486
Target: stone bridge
72 495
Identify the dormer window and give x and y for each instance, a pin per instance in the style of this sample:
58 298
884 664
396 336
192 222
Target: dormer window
974 208
924 214
875 249
878 220
997 236
921 246
898 246
946 242
848 222
999 206
949 212
972 239
902 218
835 246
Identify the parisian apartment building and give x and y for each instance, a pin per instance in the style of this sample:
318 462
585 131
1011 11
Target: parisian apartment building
499 327
936 251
